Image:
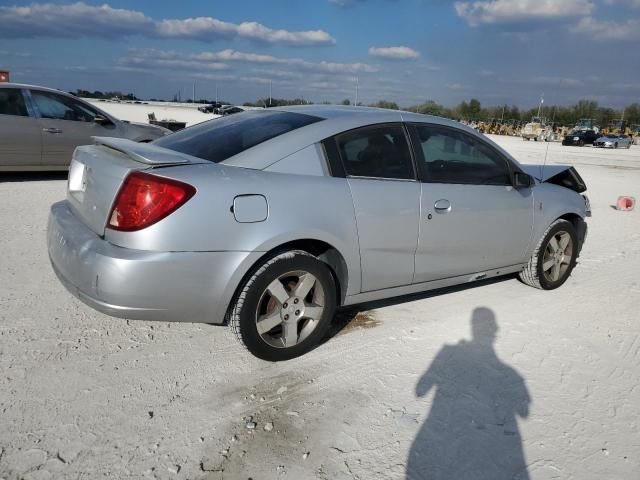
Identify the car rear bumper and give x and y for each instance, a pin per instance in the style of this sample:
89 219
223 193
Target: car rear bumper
137 284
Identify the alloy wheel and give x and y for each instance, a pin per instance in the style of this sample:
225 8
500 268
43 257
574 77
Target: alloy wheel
290 309
557 256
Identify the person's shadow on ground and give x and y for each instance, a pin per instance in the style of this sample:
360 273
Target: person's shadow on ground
471 431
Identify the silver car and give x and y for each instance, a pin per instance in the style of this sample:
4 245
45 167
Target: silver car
613 141
270 219
40 127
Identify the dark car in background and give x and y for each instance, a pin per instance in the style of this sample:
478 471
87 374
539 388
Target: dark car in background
211 108
580 138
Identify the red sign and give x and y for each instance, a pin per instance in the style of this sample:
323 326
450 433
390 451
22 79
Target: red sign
4 76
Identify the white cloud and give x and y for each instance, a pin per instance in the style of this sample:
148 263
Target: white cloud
628 3
457 87
608 30
394 53
510 11
74 20
216 60
208 28
82 20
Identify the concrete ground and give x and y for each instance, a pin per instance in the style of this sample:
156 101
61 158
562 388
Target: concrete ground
546 386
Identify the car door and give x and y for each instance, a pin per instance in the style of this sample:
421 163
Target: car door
473 219
377 162
65 123
20 137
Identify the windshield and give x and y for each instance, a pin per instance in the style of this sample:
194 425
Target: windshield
222 138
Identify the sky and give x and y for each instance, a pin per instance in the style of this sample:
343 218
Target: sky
406 51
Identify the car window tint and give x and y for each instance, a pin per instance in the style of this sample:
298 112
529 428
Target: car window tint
12 102
455 157
59 107
224 137
381 152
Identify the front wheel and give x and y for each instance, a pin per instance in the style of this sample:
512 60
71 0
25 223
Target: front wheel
285 308
554 258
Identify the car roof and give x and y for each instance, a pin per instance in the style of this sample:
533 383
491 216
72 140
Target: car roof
366 114
31 87
336 119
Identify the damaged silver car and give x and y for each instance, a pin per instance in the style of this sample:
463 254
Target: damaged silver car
269 220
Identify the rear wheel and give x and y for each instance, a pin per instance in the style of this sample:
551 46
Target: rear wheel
285 308
554 257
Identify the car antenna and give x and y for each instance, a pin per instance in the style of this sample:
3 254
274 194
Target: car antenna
546 153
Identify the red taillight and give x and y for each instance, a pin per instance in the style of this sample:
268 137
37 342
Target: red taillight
145 199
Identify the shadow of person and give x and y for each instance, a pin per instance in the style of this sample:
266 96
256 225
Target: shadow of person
471 431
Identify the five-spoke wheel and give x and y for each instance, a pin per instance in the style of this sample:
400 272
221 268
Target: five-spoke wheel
290 309
284 309
554 257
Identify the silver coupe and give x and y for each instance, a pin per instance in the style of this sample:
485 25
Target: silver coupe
268 220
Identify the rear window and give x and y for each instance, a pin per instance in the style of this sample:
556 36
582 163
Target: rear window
224 137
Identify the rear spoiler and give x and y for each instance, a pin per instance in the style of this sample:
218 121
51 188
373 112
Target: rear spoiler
146 153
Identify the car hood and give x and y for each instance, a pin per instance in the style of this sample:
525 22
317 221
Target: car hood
562 175
606 139
155 130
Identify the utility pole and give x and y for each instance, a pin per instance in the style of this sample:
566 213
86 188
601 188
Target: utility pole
356 100
270 85
541 102
216 93
194 91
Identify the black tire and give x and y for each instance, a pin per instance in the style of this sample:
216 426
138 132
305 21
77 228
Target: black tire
581 143
242 316
533 274
615 145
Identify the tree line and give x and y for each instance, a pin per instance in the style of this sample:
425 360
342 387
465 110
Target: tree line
564 115
473 110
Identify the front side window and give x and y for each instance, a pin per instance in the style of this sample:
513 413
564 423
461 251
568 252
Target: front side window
12 102
59 107
379 152
450 156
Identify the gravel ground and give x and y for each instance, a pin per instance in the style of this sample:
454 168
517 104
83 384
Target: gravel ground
545 386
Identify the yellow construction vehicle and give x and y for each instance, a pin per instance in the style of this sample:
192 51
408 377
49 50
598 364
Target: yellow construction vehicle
617 127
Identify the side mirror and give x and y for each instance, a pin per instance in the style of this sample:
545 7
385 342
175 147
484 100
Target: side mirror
522 180
100 120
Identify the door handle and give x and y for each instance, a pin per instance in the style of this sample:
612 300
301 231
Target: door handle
442 206
52 130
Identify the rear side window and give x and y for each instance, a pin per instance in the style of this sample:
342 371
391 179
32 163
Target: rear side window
378 152
222 138
452 156
12 102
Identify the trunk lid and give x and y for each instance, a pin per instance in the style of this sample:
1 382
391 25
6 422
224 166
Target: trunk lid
98 171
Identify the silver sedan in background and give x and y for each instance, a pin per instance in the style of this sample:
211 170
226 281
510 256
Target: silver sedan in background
41 127
270 219
613 141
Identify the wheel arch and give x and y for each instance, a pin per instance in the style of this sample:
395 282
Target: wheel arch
579 224
320 249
